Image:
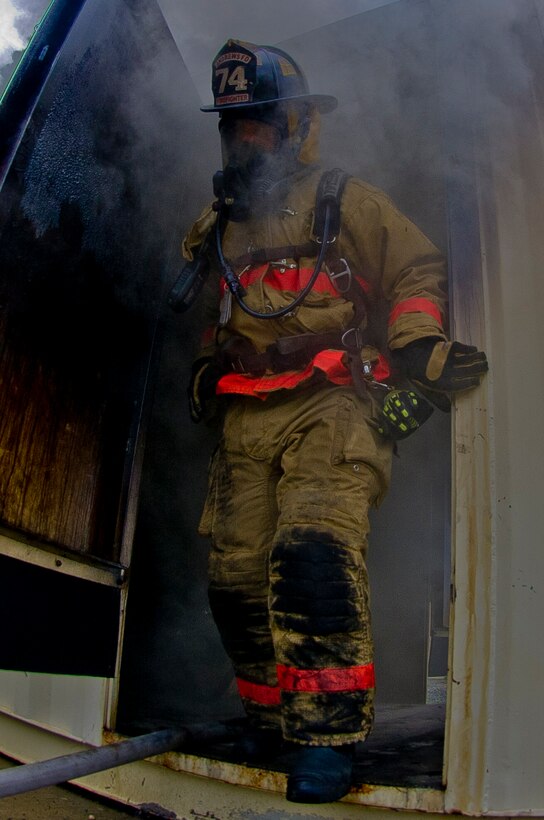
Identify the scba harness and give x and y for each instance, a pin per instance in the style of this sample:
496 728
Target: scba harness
238 367
295 352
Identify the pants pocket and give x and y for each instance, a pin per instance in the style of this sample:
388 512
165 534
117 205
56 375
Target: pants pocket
357 449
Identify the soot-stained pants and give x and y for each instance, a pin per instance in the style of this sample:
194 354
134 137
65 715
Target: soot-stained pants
287 510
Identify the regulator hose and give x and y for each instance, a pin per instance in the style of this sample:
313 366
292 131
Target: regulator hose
238 290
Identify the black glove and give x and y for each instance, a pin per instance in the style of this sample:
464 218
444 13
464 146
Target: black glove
437 367
403 413
205 374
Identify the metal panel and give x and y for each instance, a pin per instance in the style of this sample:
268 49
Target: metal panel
494 74
57 622
72 706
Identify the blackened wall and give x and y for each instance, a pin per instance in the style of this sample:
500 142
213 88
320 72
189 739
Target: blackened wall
90 220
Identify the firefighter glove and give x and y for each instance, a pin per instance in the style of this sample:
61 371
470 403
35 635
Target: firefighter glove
437 367
205 374
403 413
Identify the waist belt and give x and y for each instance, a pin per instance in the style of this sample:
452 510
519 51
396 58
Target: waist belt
287 353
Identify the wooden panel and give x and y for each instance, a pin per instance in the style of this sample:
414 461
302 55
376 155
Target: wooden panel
65 422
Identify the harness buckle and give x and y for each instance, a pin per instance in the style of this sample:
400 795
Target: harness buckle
334 276
353 344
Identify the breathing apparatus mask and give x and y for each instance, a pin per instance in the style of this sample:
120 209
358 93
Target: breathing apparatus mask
259 153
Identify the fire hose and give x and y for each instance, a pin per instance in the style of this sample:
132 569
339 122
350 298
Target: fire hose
57 770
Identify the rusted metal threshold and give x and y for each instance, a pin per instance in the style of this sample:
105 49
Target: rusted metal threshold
405 749
399 767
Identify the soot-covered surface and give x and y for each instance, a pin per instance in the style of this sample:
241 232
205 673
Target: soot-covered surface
405 748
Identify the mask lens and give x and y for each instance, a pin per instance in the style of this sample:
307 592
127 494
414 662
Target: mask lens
240 137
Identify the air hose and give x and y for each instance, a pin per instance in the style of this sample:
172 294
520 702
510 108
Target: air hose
237 289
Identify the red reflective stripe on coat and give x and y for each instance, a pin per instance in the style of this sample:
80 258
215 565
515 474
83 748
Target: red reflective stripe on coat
349 679
292 280
258 692
416 305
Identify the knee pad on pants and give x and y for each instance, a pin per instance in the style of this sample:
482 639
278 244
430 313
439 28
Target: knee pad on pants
318 586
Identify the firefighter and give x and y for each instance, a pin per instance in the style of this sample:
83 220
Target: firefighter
301 261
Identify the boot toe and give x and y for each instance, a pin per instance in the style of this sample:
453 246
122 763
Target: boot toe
319 775
315 790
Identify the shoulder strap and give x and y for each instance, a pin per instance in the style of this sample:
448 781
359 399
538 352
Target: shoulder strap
329 192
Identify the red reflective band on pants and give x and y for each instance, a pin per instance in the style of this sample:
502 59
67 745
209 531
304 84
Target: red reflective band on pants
417 304
348 679
258 693
342 679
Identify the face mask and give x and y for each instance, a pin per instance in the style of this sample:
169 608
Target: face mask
254 163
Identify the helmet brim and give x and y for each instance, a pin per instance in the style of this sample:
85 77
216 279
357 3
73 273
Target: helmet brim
325 103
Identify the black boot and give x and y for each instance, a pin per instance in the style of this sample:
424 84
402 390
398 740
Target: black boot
320 774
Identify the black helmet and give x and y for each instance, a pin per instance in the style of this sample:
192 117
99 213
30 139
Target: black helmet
245 76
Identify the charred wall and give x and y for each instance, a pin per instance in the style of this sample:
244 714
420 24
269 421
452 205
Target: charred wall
90 219
88 224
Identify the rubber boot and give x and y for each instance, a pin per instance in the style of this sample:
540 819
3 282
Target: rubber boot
320 774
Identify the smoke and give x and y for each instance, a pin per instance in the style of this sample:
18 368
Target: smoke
200 27
414 82
10 35
18 19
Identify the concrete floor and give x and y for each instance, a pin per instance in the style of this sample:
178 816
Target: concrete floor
56 803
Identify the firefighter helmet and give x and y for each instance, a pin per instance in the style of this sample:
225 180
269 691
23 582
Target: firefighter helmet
245 76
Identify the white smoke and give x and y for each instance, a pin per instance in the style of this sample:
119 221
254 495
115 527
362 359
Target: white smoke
18 19
11 38
200 27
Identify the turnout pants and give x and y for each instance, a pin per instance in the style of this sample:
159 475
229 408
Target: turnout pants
290 487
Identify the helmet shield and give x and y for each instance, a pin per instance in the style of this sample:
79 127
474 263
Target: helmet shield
245 75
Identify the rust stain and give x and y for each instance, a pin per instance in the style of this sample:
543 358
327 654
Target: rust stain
363 789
